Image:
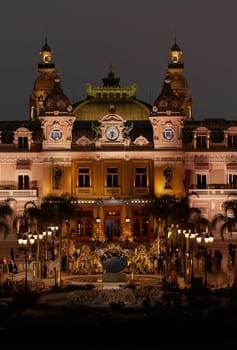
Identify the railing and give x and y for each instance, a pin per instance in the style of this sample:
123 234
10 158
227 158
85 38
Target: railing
141 190
213 189
18 193
84 190
112 191
12 189
13 185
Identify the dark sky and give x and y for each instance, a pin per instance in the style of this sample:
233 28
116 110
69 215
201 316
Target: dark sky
135 36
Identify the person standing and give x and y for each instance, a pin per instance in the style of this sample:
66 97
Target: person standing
12 254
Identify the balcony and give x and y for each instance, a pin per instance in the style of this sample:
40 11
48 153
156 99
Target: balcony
84 190
213 189
141 191
111 191
13 190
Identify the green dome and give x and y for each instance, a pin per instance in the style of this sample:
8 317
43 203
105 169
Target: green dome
100 99
95 110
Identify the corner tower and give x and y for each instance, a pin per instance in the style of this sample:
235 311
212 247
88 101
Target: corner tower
178 82
44 83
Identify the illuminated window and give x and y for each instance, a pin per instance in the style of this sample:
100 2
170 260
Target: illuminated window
201 181
141 177
112 177
83 177
175 59
232 180
232 141
202 141
23 182
23 142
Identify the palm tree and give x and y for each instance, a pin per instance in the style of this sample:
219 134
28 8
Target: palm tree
60 209
6 213
37 220
228 223
169 210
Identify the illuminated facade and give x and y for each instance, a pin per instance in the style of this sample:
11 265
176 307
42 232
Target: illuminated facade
113 152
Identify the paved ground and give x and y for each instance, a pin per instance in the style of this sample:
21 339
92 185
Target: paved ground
143 327
221 279
69 279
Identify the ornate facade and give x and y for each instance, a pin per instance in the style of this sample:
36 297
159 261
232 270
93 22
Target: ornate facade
112 152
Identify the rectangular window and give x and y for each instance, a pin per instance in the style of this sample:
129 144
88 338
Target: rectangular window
232 141
83 177
23 182
201 141
201 181
232 180
23 142
141 177
112 177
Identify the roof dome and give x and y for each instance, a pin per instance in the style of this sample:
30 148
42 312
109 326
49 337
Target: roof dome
57 100
100 98
167 100
44 82
178 81
95 110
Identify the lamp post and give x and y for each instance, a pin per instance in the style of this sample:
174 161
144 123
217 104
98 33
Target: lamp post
45 235
180 233
205 240
190 236
24 241
57 274
38 238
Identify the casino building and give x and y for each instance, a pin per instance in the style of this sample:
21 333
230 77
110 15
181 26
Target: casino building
113 152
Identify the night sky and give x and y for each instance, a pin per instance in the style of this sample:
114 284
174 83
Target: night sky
134 36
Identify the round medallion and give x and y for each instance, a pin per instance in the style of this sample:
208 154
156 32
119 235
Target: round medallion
168 134
56 135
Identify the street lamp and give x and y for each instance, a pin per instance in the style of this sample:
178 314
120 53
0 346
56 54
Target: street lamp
38 238
190 236
205 240
180 250
42 252
25 241
57 274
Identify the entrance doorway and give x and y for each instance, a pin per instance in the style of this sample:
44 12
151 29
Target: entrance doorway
112 223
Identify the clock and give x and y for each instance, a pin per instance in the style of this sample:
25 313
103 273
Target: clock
168 134
56 135
112 133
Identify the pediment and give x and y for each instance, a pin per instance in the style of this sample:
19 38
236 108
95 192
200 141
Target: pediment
111 117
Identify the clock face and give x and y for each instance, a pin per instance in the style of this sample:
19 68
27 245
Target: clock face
168 134
56 135
112 133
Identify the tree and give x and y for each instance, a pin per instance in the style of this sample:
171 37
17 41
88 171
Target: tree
6 213
126 233
228 223
60 209
36 220
169 209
